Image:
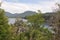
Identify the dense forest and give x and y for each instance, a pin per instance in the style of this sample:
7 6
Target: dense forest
33 29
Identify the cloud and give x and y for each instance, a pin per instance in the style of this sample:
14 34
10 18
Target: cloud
21 7
14 7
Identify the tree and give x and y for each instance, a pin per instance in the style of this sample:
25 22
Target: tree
34 34
36 20
4 26
54 21
21 26
37 30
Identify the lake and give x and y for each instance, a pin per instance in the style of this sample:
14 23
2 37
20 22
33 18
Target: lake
12 20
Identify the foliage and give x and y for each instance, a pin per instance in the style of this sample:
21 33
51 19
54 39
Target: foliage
36 20
21 31
4 26
54 21
37 31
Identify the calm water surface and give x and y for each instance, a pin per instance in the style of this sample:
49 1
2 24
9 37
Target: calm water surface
11 20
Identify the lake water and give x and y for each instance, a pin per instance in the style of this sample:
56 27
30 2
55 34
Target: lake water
11 20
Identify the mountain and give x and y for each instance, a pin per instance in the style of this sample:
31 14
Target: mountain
48 15
26 13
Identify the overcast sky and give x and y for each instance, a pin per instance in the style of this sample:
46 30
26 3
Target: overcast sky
19 6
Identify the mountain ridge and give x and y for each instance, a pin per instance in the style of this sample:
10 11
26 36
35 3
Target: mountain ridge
26 13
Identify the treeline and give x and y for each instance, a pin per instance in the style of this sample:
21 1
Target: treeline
33 29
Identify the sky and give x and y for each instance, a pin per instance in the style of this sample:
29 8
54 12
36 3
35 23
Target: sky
20 6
